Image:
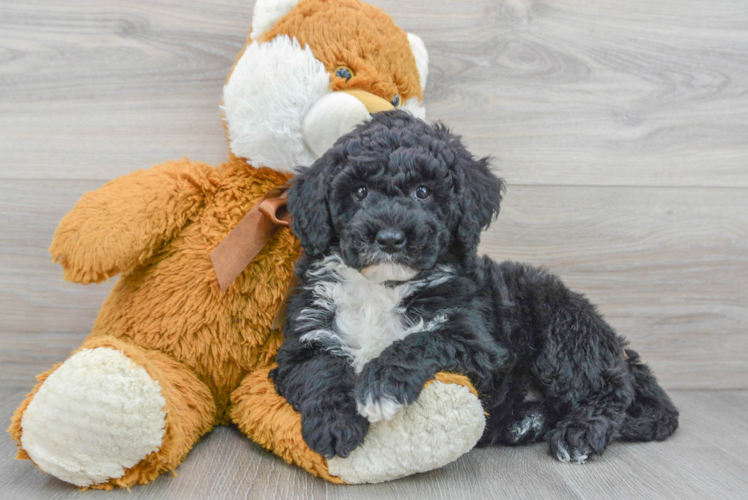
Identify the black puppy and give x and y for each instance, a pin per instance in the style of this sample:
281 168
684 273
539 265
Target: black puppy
392 291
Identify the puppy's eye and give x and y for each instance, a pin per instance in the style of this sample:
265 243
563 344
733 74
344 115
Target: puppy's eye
422 193
396 100
360 193
344 72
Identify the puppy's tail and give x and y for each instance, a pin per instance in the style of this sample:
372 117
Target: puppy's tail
652 416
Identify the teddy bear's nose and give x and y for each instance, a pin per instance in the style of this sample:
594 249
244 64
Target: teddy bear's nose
390 240
336 114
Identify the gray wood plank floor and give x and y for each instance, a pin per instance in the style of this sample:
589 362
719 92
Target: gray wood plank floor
705 459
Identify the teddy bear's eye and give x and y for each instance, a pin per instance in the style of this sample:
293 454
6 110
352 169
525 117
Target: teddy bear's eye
396 100
344 72
361 192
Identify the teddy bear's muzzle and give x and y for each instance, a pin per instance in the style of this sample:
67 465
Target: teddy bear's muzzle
336 114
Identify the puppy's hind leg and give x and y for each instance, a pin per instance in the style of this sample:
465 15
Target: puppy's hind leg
587 430
584 379
587 424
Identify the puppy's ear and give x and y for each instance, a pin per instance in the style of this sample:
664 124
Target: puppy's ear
307 202
479 196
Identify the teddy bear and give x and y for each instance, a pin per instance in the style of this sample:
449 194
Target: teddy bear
190 330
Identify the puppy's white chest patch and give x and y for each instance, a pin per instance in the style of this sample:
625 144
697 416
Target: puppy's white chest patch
368 316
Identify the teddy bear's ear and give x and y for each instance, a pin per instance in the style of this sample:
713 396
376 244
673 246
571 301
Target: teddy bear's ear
267 13
422 57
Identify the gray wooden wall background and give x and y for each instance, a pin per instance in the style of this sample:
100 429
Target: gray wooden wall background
622 131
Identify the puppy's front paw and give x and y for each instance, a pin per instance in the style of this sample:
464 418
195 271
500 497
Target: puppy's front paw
383 409
333 431
383 390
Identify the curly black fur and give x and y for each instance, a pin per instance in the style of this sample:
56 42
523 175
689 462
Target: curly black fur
515 330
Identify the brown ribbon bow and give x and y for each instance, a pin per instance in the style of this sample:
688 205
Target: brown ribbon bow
248 238
239 248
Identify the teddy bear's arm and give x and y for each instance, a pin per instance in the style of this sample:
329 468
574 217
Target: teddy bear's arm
120 225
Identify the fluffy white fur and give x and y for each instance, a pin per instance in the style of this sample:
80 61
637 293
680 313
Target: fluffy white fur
444 423
533 421
331 117
271 90
267 13
368 314
415 108
274 86
533 394
388 271
96 415
384 409
422 57
563 455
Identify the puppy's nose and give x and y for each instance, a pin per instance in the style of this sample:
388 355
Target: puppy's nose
390 240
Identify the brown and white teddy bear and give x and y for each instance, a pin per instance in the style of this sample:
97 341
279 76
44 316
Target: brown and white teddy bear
174 352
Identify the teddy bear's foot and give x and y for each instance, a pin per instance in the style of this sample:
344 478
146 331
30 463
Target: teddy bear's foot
445 422
95 416
101 418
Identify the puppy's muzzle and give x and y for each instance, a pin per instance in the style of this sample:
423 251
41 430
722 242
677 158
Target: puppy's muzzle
391 240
